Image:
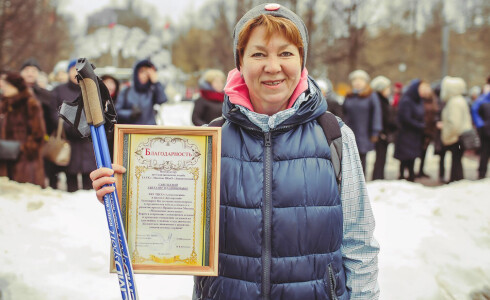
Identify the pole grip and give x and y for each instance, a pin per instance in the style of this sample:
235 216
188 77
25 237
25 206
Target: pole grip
86 107
92 99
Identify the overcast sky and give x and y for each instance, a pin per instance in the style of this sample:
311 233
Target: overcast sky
170 8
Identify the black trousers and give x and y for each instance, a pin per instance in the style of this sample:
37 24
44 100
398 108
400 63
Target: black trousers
422 162
484 155
381 148
51 170
456 164
442 166
72 182
407 165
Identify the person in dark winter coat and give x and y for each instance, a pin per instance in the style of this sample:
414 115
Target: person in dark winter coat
135 103
431 118
480 111
286 229
209 106
30 72
382 86
333 103
21 119
362 113
411 122
82 160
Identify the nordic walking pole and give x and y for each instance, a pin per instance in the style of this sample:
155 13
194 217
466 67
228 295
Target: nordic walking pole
95 118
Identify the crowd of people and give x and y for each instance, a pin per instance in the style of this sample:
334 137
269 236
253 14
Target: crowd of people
378 111
29 114
297 228
413 117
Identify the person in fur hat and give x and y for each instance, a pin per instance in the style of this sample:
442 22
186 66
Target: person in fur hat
362 113
30 71
21 119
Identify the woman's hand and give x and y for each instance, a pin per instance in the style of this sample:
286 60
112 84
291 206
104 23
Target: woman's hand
153 75
103 176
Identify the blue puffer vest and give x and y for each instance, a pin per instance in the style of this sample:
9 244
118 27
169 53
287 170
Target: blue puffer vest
280 215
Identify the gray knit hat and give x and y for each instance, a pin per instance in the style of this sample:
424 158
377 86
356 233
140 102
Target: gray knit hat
276 10
359 74
380 83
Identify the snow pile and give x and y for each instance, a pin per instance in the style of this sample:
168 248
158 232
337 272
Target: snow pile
435 241
55 245
435 244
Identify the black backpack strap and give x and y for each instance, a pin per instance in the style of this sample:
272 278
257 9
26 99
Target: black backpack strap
218 122
331 129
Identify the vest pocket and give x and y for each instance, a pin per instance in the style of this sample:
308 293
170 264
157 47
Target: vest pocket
330 282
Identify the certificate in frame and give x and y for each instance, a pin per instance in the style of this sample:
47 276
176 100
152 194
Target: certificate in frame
169 197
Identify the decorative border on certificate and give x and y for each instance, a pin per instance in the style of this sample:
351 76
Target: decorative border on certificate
170 197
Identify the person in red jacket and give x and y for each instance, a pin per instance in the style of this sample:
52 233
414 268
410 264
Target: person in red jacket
397 93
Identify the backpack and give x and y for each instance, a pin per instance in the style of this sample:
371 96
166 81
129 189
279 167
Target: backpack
331 129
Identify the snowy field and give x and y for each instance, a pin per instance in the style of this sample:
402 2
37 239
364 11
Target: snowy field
435 242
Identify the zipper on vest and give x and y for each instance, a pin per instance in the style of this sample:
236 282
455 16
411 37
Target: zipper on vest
267 217
333 282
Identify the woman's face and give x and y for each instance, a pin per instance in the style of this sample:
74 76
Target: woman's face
111 86
271 71
218 84
143 75
386 92
359 84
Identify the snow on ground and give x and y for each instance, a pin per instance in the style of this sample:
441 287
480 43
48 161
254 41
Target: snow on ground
435 241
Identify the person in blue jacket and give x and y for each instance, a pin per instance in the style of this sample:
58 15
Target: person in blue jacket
480 111
287 230
134 104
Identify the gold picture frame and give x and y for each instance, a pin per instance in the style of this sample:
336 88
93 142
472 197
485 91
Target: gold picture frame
169 197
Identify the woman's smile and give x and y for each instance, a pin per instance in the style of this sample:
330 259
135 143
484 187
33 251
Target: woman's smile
273 83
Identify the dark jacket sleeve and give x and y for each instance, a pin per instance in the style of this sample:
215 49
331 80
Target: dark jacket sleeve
198 112
123 112
159 96
376 115
405 115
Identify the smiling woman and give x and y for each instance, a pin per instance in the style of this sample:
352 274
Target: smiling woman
288 229
271 65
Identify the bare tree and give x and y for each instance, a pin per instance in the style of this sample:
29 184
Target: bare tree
32 28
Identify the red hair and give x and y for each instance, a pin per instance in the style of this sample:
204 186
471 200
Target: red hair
273 25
